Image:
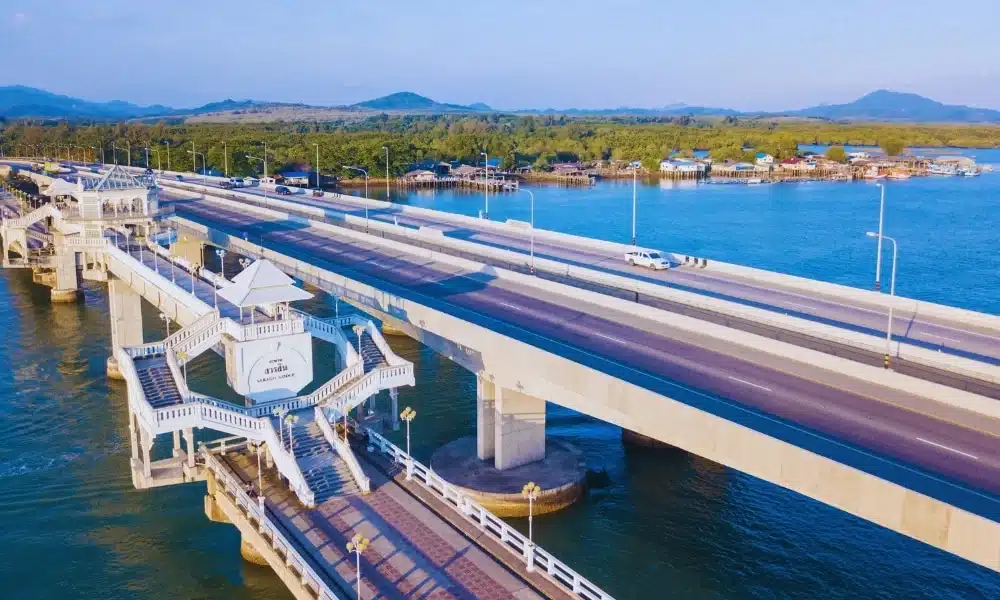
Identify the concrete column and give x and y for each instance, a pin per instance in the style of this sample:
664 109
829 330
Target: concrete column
177 442
485 418
519 425
66 279
147 446
190 249
126 321
394 397
131 436
189 441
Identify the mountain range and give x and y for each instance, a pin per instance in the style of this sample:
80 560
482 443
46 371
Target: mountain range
881 105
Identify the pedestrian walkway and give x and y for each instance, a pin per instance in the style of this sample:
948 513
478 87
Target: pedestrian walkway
414 553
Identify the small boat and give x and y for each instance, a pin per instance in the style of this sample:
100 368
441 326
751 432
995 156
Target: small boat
899 176
970 173
754 181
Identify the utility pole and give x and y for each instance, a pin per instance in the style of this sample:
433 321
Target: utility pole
225 157
386 148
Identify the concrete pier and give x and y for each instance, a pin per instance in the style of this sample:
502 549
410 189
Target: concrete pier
126 321
510 425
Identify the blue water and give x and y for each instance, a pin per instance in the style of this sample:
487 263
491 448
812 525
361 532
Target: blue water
668 525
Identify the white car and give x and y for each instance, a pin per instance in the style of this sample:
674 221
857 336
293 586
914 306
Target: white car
236 182
646 258
249 181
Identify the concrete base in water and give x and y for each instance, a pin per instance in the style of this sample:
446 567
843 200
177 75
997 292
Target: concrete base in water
112 370
561 474
251 555
66 295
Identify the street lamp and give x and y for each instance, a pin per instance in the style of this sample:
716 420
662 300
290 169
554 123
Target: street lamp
291 420
531 491
635 170
487 180
408 415
366 191
532 196
280 412
215 289
316 167
357 545
183 357
259 446
244 263
878 251
892 293
225 157
159 163
386 148
166 319
204 165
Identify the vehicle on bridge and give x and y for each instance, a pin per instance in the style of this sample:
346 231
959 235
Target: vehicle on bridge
250 181
283 190
236 182
646 258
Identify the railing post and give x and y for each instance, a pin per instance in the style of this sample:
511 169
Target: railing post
529 556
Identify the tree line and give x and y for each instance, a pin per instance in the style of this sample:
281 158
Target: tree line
515 140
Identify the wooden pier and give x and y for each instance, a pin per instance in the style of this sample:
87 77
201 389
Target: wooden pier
494 185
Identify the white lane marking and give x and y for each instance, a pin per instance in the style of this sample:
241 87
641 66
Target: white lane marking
745 382
941 337
949 448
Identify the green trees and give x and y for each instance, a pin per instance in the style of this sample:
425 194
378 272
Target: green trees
836 153
892 146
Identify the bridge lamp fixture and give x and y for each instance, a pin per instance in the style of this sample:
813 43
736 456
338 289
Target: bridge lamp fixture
280 413
408 415
290 421
365 172
892 291
531 491
357 545
166 319
486 178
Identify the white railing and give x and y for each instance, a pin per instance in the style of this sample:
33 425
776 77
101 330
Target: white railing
332 329
256 331
85 242
534 556
383 346
197 326
136 397
45 210
234 488
265 409
327 389
345 452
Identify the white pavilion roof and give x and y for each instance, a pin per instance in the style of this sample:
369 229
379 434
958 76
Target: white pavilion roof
117 178
262 283
61 187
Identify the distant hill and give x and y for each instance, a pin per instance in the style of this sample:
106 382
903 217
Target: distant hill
410 102
18 101
885 105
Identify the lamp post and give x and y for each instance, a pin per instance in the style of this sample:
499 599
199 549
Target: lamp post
316 167
114 150
166 145
183 356
892 293
263 160
291 420
366 190
204 165
159 163
357 545
280 413
260 475
225 158
878 250
386 148
531 491
194 159
215 289
408 415
166 319
244 263
127 233
147 157
634 193
532 196
487 181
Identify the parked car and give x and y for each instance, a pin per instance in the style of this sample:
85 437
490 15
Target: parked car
646 258
283 190
148 171
317 192
226 185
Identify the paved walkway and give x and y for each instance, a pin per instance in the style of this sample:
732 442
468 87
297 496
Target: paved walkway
414 553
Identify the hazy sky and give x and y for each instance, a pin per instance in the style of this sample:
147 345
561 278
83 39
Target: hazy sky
746 54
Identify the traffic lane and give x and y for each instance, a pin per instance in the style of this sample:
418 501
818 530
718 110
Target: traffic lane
867 320
964 455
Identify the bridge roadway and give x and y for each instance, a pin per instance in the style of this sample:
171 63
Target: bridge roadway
949 336
942 452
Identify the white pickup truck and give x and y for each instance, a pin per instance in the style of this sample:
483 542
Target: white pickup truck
646 258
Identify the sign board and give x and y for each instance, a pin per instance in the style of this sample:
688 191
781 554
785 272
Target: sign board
270 369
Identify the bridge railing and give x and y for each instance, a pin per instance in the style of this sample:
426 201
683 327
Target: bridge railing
333 328
534 556
236 491
345 452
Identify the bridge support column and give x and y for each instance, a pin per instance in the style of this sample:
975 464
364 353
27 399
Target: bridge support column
189 441
394 398
177 443
66 286
126 321
147 446
485 418
519 426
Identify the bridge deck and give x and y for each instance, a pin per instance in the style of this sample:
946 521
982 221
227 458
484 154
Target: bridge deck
414 552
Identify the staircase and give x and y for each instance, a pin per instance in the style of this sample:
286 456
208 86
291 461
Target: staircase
371 356
326 474
157 382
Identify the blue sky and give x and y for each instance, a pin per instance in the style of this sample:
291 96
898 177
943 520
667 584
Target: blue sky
763 55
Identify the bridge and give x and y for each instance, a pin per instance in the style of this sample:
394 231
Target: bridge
915 454
294 472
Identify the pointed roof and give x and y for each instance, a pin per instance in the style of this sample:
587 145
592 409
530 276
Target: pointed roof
60 187
262 283
117 178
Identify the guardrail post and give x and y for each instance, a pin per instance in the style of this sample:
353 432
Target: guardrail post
529 557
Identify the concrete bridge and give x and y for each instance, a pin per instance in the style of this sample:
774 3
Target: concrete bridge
914 455
296 475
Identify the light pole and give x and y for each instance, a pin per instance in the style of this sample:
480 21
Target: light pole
291 420
183 356
263 160
204 165
215 289
386 148
892 293
194 158
408 415
94 154
487 181
280 413
532 196
634 190
128 147
127 233
260 476
366 191
166 145
166 319
531 491
225 157
159 163
244 263
114 150
878 251
357 545
147 157
316 167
